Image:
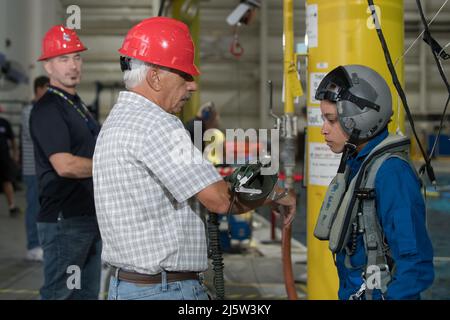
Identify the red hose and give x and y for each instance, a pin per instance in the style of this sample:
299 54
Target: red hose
273 221
289 280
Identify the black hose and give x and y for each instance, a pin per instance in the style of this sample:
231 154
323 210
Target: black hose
216 255
161 8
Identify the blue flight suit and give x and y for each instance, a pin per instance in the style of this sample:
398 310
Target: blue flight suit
401 213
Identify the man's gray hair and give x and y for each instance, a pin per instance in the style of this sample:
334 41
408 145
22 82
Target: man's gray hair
137 74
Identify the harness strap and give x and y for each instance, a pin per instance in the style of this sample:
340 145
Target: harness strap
376 248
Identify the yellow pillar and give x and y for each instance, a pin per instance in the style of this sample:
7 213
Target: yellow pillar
188 11
341 32
289 54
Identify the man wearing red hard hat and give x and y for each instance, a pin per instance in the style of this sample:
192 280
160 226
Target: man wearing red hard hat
64 135
152 238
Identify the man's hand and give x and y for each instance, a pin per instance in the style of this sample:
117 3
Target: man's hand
287 206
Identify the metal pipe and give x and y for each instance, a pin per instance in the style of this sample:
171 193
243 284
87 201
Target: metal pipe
273 221
263 63
180 10
287 263
288 45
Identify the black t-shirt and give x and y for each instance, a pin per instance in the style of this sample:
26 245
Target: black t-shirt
57 126
6 134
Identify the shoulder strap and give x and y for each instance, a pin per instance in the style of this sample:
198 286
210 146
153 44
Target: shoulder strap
377 274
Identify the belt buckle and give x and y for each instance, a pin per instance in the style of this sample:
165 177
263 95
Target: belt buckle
116 273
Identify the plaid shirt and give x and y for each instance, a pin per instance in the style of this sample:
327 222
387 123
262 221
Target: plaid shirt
142 191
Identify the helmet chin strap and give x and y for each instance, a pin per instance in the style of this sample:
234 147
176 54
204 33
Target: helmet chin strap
349 149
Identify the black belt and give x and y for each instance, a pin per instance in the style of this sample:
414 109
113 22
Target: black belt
141 278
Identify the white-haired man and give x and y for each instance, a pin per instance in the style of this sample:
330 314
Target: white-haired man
152 238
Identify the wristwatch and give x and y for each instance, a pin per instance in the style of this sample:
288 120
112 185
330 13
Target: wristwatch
274 196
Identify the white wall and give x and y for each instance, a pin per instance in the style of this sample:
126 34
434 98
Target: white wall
24 22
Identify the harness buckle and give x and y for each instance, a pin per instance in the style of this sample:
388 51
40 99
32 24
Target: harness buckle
365 194
358 294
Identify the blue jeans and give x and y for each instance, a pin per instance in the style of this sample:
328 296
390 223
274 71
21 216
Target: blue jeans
72 258
32 211
178 290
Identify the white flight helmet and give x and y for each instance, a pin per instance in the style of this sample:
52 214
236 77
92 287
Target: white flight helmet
363 100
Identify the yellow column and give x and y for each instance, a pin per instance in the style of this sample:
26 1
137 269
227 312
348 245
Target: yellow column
188 11
289 55
342 32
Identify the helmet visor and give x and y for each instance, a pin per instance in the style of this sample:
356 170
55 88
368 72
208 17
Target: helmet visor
336 87
334 83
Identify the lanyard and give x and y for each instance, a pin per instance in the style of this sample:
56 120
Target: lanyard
85 115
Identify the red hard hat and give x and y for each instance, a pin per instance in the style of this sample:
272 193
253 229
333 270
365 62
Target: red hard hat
162 41
58 41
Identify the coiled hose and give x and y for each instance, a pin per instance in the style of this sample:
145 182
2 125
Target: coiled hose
216 255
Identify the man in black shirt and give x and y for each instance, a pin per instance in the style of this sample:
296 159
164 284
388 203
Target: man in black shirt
64 135
207 118
7 167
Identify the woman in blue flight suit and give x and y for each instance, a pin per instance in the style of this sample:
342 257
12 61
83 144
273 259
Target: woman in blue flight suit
356 108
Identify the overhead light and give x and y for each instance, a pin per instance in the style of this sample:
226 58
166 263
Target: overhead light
243 12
